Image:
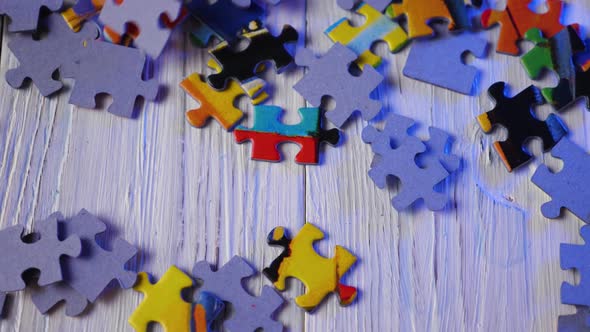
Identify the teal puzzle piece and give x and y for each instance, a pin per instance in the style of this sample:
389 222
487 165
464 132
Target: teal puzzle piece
267 119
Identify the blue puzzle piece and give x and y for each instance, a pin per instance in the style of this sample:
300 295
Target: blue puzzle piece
576 256
267 119
438 61
569 188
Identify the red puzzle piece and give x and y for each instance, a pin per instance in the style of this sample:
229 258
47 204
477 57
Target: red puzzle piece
264 146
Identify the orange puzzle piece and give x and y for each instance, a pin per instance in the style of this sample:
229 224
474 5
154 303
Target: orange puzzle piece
419 13
518 18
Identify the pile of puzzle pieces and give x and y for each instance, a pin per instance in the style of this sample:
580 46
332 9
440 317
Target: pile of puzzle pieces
63 261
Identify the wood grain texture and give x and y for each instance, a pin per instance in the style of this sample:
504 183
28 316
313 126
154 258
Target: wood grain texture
181 194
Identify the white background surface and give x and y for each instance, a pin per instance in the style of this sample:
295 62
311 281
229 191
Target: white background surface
490 262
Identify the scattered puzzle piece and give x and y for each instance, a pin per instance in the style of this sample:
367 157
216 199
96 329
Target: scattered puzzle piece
570 187
163 303
517 18
439 61
268 132
24 14
321 276
43 254
244 65
566 93
112 69
576 322
377 27
152 34
516 115
249 312
49 296
421 13
57 50
399 160
576 256
329 76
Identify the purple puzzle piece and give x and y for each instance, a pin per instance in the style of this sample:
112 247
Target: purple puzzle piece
39 59
112 69
438 61
576 322
576 256
24 14
570 187
153 35
329 76
91 272
43 254
249 312
395 155
380 5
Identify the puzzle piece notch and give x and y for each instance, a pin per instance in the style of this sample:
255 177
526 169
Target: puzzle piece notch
299 260
568 188
329 76
439 61
244 65
419 15
576 256
112 69
517 18
39 59
399 160
153 35
516 115
360 39
269 132
249 312
162 302
43 254
24 15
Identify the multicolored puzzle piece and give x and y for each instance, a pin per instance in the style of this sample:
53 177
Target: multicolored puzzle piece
269 132
419 14
517 18
321 276
516 115
377 27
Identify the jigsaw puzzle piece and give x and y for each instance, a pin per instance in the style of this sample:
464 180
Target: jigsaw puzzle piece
516 115
205 312
570 187
377 27
43 254
439 61
575 256
163 303
517 18
244 65
249 312
269 132
49 296
24 14
566 93
152 34
321 276
329 76
112 69
419 14
39 59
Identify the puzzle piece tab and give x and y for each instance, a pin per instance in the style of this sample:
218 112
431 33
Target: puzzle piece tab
517 18
152 33
244 65
321 276
419 14
43 254
516 115
112 69
268 132
24 14
329 76
570 187
59 49
49 296
377 27
576 256
439 61
249 312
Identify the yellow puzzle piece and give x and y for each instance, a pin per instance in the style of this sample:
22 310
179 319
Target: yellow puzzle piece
163 302
419 13
216 104
320 275
377 27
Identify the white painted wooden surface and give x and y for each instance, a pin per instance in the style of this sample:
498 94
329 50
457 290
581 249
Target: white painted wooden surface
491 262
